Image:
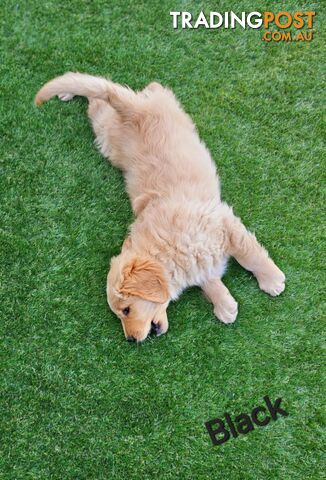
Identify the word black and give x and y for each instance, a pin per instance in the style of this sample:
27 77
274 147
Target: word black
244 423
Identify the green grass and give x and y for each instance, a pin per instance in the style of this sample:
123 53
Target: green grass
76 400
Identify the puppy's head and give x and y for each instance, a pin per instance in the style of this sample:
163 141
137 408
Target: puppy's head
137 293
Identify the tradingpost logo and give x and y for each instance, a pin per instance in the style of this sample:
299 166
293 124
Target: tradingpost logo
275 26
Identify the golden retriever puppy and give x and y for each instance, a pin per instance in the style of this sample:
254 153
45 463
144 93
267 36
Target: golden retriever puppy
183 234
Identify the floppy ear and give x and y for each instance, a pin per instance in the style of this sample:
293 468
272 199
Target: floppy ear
145 279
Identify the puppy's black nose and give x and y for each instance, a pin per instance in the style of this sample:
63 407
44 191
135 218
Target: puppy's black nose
131 339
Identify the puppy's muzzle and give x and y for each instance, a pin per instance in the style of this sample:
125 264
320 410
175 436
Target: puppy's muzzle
155 330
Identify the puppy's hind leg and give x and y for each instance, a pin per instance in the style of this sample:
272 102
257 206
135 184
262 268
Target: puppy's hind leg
96 108
225 307
106 123
246 249
65 97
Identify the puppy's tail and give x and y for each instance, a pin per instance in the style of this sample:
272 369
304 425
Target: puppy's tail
121 98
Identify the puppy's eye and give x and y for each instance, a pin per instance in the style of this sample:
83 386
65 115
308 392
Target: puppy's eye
126 311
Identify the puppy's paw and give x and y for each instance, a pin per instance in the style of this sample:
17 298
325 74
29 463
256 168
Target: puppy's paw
227 309
65 97
272 282
160 323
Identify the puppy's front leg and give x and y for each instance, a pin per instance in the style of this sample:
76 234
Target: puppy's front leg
225 307
245 248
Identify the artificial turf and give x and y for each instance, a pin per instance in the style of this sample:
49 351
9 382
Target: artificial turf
77 400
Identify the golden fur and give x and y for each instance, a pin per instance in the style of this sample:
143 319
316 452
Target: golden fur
183 234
